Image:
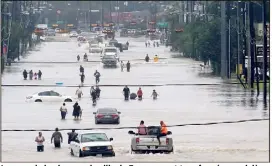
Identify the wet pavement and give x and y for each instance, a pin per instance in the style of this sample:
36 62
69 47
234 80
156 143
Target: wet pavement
248 142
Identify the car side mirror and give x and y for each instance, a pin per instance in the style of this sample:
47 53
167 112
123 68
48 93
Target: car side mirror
119 112
111 139
94 113
76 140
169 133
131 132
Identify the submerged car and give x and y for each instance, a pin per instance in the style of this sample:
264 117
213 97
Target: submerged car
92 143
50 32
149 143
73 34
48 96
95 48
107 115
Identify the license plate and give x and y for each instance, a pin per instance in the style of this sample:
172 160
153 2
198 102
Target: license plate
99 155
152 147
107 116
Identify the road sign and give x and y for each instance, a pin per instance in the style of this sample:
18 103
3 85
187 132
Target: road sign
60 22
58 11
162 24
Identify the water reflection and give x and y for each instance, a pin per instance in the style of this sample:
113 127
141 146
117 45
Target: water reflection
235 96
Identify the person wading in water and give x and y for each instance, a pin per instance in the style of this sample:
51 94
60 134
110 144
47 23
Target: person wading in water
57 137
63 111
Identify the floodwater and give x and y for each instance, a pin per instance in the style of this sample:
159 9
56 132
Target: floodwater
244 142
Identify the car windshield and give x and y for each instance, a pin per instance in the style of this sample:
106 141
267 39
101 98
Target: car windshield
106 111
108 57
94 46
74 32
51 30
94 137
110 50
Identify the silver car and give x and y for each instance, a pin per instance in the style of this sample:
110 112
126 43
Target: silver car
149 143
107 116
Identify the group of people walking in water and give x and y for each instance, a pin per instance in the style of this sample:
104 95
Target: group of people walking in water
56 138
155 43
30 74
77 111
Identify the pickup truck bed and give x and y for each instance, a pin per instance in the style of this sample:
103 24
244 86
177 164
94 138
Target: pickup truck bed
150 143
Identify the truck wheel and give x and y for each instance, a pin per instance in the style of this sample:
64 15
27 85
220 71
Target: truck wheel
80 153
72 153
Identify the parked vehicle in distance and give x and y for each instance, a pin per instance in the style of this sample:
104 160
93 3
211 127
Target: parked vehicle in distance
50 32
149 143
92 143
49 96
107 115
95 48
73 34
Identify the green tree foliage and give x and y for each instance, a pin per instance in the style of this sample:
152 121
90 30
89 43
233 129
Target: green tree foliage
201 39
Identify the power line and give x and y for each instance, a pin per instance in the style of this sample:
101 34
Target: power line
120 128
120 85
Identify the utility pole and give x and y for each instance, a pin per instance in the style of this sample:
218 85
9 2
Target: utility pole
229 41
264 52
224 71
102 14
252 45
244 15
238 39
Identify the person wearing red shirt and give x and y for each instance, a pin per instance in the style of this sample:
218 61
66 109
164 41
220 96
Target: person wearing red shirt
140 94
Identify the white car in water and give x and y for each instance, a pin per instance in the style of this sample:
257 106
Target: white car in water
49 96
73 34
95 48
92 143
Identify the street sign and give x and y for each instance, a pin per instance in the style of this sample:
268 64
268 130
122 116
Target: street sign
60 22
58 11
151 22
259 50
162 24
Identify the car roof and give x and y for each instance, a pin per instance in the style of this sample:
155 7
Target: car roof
111 48
89 132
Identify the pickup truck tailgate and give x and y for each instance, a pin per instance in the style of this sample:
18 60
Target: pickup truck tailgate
151 140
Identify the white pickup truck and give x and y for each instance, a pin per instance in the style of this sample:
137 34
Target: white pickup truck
92 143
149 143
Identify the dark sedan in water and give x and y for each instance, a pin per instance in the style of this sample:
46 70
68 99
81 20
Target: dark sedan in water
107 116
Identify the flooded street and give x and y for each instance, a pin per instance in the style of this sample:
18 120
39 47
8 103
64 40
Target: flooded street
177 104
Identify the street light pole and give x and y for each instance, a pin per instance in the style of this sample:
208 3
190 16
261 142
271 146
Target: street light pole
264 52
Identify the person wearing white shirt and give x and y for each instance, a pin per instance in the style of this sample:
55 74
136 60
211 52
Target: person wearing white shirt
63 111
79 92
40 139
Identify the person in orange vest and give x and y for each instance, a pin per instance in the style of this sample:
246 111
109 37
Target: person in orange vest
163 131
